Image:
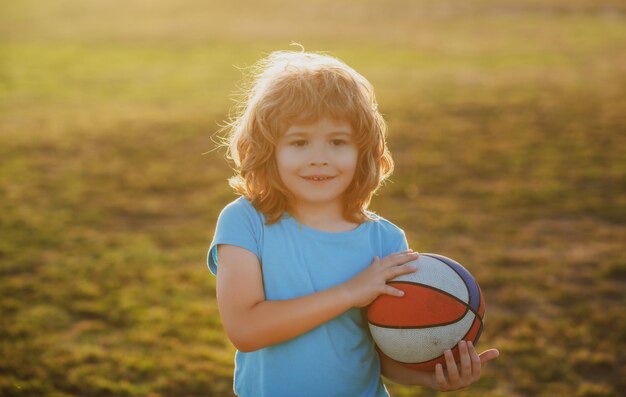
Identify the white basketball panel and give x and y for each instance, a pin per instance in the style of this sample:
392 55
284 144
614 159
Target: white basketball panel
416 345
433 272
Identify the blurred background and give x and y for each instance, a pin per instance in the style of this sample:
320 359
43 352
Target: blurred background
507 123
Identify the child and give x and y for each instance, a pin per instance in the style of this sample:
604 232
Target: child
299 254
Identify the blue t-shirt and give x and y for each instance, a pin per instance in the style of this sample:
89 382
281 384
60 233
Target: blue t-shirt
337 358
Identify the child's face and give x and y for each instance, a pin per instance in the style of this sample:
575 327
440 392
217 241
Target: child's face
317 161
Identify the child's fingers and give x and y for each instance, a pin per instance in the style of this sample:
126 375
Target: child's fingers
476 364
488 355
396 271
466 362
453 372
389 290
399 258
440 378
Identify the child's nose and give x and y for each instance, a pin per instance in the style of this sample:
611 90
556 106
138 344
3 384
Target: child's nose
316 163
318 155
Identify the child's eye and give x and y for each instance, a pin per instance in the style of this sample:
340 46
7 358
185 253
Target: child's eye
298 143
338 142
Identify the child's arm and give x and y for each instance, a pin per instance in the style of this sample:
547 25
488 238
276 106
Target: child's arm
453 378
251 322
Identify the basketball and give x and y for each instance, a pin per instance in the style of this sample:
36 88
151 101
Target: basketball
442 305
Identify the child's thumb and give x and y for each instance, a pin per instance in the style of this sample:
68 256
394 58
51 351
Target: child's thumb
488 355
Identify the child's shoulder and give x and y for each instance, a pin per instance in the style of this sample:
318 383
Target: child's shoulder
383 224
239 204
241 207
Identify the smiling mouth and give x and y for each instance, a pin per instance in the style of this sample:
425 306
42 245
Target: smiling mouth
318 178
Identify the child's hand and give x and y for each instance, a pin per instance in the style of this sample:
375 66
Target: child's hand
367 285
471 365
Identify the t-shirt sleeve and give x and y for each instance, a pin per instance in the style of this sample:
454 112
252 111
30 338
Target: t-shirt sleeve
395 239
238 224
402 243
399 242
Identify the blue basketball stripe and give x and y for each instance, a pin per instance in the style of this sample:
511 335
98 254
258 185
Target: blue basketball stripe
472 287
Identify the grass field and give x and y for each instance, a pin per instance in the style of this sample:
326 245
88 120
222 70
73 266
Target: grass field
507 123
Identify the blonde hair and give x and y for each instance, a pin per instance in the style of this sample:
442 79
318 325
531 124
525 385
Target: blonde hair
288 87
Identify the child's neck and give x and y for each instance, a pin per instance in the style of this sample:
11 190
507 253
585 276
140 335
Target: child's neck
327 219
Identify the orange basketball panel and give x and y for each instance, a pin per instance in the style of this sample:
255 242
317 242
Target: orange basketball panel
420 306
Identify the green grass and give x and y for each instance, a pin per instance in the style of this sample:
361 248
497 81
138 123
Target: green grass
506 124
